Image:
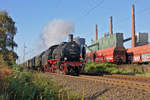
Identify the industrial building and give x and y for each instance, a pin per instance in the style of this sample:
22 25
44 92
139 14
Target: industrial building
141 39
112 40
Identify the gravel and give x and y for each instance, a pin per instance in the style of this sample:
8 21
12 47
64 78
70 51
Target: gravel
98 91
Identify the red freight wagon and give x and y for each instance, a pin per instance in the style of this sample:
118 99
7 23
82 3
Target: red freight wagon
139 54
114 55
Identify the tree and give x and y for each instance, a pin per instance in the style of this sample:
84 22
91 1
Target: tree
7 33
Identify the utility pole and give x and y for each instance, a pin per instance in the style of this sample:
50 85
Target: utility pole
24 47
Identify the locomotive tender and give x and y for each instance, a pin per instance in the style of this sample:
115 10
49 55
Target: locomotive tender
63 58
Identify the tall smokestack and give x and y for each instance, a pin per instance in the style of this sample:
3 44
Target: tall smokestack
111 25
133 27
96 34
70 37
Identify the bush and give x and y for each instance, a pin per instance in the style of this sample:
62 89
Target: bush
101 68
131 69
25 85
30 86
2 62
108 68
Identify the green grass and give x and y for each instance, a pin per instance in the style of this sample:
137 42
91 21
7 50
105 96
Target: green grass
32 86
107 68
131 69
29 86
101 68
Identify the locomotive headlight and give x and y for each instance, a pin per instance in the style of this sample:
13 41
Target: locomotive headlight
65 58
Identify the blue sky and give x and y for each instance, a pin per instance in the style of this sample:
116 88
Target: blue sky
32 15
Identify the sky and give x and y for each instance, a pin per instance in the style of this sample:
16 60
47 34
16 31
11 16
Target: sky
31 16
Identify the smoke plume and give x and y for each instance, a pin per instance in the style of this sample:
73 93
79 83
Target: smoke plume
55 32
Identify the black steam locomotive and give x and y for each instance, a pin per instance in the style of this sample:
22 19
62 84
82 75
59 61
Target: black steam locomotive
64 58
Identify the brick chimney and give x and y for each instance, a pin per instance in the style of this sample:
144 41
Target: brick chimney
133 27
96 32
111 25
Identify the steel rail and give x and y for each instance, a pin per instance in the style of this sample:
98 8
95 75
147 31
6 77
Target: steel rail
145 87
129 77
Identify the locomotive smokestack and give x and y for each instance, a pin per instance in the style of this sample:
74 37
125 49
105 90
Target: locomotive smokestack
70 37
111 26
96 32
133 27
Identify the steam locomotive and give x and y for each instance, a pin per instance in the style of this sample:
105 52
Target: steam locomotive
64 58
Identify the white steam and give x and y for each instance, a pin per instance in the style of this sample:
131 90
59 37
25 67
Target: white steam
55 32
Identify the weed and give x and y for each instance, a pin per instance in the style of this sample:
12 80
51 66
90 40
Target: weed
101 68
31 86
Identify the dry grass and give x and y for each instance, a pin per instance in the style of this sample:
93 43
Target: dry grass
2 62
5 72
145 74
31 85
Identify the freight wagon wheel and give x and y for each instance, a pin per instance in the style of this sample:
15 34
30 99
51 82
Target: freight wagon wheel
119 62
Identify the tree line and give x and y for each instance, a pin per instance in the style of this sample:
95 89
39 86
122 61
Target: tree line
7 44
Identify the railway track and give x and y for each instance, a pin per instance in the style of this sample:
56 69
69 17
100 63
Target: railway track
144 87
129 77
98 86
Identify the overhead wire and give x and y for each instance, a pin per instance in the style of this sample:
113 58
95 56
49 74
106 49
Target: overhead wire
122 20
137 13
98 4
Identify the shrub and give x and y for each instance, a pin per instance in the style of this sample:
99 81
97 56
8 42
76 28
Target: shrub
2 62
27 85
101 68
31 86
113 68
